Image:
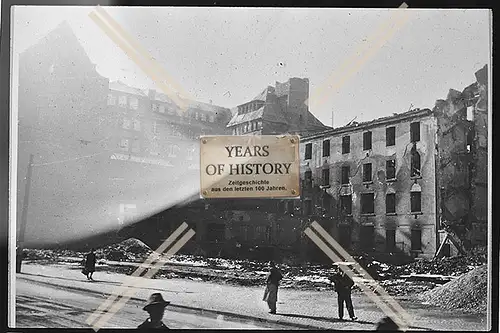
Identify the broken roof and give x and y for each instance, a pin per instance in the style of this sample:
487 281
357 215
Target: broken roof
370 123
263 95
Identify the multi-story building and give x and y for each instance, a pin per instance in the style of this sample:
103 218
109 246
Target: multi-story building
62 122
276 110
154 138
393 186
372 185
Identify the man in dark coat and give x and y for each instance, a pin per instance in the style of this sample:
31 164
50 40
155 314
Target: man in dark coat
156 309
271 292
90 264
343 286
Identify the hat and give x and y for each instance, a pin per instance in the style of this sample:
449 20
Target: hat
155 299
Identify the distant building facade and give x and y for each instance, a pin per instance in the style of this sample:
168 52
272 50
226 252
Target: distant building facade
276 110
61 117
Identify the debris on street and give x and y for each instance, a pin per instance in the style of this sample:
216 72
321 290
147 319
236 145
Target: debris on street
468 292
414 278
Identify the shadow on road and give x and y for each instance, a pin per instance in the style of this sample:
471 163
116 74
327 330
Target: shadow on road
328 319
107 282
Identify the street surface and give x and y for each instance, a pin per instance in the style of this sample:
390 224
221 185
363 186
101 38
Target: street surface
45 306
66 286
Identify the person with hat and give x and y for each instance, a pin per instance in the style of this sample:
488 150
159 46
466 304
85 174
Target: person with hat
343 286
156 309
387 324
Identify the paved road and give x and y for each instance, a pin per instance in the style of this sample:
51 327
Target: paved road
301 309
40 305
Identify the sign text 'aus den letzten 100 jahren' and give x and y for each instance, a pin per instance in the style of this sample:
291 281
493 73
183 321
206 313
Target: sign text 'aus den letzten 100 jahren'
264 166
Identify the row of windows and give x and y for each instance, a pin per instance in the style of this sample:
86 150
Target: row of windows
131 124
367 238
250 107
367 204
133 102
172 150
247 127
202 116
367 172
390 135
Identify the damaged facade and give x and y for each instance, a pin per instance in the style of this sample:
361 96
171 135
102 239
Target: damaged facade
462 150
372 185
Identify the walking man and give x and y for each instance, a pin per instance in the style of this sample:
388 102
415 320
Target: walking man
156 309
271 292
90 264
343 286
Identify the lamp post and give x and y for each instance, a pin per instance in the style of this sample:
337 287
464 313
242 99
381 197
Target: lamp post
24 217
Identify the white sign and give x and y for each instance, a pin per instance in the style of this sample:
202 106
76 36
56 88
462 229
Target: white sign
264 166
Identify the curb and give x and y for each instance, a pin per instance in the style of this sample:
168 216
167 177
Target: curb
189 308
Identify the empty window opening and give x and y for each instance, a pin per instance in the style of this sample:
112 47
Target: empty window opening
390 136
346 144
367 203
367 140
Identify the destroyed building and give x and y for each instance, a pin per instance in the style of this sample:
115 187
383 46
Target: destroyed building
462 171
401 186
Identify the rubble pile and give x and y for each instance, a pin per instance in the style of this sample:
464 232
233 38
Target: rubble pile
453 266
130 249
468 292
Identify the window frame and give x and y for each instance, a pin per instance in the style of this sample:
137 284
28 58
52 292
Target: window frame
367 166
346 144
413 202
387 168
390 210
326 148
346 199
390 248
415 172
390 136
325 176
412 238
367 140
308 151
345 172
415 131
363 203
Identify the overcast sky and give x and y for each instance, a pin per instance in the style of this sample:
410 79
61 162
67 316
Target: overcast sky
229 55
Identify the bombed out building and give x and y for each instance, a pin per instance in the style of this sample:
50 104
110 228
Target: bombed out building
395 187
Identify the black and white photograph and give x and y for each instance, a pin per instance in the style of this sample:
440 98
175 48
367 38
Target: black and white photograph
250 168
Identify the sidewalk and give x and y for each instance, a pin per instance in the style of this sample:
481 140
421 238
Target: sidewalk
306 309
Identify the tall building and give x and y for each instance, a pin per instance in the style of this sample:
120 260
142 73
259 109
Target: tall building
61 113
276 110
393 187
372 185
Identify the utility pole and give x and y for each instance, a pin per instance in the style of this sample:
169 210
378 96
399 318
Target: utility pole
24 217
332 118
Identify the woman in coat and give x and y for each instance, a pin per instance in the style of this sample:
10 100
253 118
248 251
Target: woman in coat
271 293
90 260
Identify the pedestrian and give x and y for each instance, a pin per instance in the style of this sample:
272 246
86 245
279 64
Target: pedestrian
387 324
271 292
90 264
343 286
156 308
